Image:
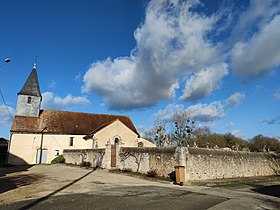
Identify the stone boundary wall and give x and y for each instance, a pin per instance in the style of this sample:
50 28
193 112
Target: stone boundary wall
143 160
200 163
78 156
203 164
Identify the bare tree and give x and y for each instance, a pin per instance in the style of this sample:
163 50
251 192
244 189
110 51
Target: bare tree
161 138
150 134
184 129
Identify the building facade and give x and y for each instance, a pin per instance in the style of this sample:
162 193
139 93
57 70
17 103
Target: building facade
38 136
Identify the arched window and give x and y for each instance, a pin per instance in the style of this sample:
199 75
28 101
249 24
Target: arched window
140 144
117 140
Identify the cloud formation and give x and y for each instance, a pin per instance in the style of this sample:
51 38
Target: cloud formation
52 84
254 18
5 118
206 113
262 52
272 121
180 48
204 82
235 99
277 94
177 47
51 101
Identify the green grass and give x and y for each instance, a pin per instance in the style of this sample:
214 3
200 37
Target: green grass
236 184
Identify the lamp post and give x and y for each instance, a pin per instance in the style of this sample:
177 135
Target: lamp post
7 60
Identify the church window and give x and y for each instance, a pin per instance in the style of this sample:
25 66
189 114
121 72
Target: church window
71 141
29 100
117 140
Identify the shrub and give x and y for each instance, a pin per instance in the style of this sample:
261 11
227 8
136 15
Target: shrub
86 164
58 159
127 170
152 173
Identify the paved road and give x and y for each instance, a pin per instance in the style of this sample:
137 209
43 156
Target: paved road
63 187
140 197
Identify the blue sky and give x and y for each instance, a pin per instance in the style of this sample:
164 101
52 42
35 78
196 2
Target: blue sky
218 60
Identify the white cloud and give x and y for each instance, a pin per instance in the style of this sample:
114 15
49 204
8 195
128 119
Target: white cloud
177 45
173 41
254 17
5 118
261 54
239 133
277 94
51 101
166 115
215 110
272 121
78 77
229 126
235 99
204 82
206 113
52 84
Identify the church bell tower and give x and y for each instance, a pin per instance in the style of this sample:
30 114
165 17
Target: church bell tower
29 98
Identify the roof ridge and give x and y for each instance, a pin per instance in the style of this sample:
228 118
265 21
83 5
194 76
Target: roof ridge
84 113
68 122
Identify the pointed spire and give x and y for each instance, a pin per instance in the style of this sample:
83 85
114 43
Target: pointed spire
31 86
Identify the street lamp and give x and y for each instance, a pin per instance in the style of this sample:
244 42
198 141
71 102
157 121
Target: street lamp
7 60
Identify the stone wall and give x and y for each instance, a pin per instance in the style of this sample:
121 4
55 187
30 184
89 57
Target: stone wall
78 156
203 164
142 160
200 163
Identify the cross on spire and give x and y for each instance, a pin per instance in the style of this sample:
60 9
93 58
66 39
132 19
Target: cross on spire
35 62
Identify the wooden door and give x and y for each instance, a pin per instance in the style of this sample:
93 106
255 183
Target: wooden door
113 156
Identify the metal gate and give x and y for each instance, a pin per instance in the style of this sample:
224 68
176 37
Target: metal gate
113 156
44 156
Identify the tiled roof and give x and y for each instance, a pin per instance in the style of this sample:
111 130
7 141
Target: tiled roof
61 122
31 86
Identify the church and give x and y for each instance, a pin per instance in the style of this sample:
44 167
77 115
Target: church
38 136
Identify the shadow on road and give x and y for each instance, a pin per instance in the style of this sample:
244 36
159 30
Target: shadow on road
11 182
12 169
30 205
273 190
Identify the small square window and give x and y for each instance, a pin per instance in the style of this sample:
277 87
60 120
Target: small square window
56 152
29 100
71 141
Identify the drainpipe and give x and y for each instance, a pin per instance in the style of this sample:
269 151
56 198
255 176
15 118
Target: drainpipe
93 140
41 146
8 152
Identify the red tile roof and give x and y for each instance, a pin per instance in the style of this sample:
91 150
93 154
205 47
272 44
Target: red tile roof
62 122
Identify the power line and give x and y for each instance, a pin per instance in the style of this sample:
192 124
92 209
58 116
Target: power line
5 104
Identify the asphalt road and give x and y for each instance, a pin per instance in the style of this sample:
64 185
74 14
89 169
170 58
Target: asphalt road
140 197
64 187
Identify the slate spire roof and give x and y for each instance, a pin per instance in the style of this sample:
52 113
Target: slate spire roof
31 86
